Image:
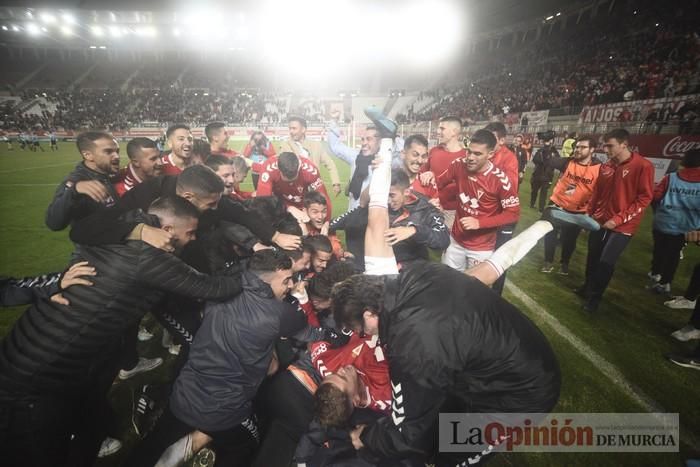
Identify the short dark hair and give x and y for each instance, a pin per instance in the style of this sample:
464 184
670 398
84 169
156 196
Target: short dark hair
215 161
415 139
484 137
86 141
399 179
296 118
200 180
332 407
620 134
318 243
213 127
353 296
173 206
452 119
138 144
592 142
691 159
321 285
239 164
296 254
288 163
172 128
314 197
267 261
288 225
497 127
201 148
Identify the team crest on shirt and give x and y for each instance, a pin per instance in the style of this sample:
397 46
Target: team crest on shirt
479 194
300 189
468 202
625 172
265 177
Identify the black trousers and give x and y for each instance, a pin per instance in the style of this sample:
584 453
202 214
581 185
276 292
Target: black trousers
234 447
666 254
256 177
285 408
504 234
567 235
604 249
541 187
59 430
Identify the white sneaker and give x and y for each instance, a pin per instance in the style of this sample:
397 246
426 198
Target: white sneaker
174 349
144 364
144 335
109 446
680 303
686 333
653 277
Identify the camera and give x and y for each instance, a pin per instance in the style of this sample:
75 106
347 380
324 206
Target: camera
546 135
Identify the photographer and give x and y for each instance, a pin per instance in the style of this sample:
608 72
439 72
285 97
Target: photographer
544 172
259 148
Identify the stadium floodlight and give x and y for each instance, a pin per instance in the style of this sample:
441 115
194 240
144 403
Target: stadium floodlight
33 29
97 31
43 29
93 46
558 13
146 31
66 31
550 17
68 18
115 31
103 47
15 28
48 18
29 14
5 28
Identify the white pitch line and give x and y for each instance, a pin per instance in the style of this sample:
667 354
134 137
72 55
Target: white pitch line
35 168
605 367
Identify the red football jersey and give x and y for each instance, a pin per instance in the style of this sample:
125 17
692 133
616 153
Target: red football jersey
367 357
230 153
439 160
169 167
292 193
127 179
506 160
489 196
430 191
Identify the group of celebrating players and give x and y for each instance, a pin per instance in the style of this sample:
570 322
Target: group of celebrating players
294 346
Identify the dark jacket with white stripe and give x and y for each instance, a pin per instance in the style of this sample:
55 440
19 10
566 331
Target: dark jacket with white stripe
58 349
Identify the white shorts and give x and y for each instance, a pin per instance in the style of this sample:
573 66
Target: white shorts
380 265
460 258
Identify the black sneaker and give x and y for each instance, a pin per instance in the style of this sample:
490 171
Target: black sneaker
146 409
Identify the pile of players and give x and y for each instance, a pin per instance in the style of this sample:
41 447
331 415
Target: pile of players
293 347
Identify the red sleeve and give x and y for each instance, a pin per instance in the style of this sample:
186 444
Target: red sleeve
659 189
645 193
447 177
265 181
270 150
310 314
120 188
247 150
510 204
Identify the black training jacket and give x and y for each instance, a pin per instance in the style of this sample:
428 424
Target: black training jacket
449 337
230 356
57 349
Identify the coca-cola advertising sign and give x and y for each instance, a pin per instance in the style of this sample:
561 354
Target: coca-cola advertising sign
666 146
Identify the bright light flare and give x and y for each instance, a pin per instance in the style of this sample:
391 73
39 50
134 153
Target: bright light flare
33 29
66 31
68 18
115 31
97 31
48 18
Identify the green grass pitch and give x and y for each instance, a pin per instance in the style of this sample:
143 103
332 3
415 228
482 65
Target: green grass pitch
631 330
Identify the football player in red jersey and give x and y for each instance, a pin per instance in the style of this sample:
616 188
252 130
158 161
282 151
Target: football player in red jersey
218 137
288 178
144 163
180 141
487 199
414 157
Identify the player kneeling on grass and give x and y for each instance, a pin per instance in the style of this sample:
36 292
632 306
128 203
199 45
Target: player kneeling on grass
448 340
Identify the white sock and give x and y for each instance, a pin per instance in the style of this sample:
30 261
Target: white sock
515 249
381 176
177 453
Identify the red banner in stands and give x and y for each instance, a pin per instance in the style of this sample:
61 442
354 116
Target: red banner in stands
632 111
